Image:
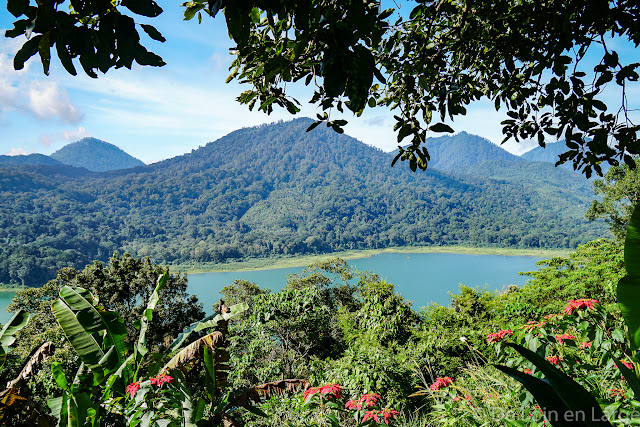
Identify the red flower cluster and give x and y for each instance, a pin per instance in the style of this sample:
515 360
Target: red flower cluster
587 344
627 364
328 390
615 392
133 388
441 382
367 400
466 397
497 336
527 371
375 415
554 360
578 304
160 379
561 338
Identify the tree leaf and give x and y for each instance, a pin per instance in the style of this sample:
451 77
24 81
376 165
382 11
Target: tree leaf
153 33
26 51
143 7
441 127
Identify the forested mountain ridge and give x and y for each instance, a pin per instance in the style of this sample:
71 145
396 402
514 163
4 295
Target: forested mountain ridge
28 159
551 153
95 155
455 152
273 189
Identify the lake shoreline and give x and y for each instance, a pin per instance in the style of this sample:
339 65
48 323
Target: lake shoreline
304 260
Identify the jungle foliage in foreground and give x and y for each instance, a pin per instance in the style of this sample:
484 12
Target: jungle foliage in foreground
278 190
331 325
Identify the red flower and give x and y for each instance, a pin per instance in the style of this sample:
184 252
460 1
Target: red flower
466 396
310 392
160 379
527 371
578 304
371 415
561 338
370 399
441 382
586 344
133 388
554 360
627 364
615 392
354 405
331 390
497 336
388 414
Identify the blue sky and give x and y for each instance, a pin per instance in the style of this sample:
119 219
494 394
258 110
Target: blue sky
157 113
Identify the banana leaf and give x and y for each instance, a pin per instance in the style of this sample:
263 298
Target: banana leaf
83 343
147 316
629 286
8 332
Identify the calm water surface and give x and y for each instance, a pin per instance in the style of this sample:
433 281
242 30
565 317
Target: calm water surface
421 278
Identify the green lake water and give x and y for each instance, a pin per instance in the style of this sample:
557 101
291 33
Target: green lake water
422 278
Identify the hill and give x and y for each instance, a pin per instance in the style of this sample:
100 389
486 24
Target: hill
551 154
454 153
95 155
28 159
273 189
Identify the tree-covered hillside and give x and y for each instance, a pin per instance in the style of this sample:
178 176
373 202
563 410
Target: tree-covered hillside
28 159
551 153
274 189
454 153
95 155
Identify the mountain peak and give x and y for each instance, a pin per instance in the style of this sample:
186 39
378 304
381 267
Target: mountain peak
95 155
453 152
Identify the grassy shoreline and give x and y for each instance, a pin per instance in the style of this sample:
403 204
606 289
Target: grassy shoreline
304 260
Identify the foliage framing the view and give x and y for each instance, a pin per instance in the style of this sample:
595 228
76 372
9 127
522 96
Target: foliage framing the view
525 56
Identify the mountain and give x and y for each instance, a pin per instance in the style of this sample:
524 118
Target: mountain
276 189
551 153
28 159
453 153
95 155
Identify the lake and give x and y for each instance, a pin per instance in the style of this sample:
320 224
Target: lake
420 277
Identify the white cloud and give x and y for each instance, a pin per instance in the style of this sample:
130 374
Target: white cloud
20 92
75 134
16 151
47 139
47 101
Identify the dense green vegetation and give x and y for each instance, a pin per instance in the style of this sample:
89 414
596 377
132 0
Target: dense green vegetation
95 155
551 152
362 336
278 190
29 159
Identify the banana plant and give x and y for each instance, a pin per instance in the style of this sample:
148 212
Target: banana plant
560 395
9 331
109 363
